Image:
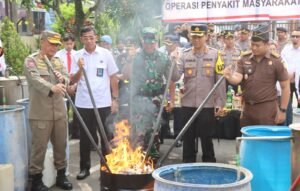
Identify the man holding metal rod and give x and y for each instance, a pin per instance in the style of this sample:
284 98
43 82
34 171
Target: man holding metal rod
258 71
47 111
101 71
198 64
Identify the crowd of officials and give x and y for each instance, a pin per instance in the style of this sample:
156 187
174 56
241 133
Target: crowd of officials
129 80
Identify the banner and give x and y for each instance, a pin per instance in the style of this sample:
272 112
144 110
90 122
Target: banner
229 10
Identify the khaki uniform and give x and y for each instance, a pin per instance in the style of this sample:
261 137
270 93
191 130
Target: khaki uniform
200 68
199 79
244 45
259 88
230 56
47 112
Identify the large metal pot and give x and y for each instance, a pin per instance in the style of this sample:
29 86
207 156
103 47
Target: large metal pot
13 88
118 182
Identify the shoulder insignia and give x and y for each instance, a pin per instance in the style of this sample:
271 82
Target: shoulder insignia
246 53
276 55
30 63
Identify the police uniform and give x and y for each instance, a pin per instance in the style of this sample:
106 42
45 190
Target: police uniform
47 111
244 45
147 89
259 84
199 79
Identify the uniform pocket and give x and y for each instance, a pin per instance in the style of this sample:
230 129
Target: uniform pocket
207 70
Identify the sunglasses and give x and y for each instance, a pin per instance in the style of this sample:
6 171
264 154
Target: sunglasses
295 36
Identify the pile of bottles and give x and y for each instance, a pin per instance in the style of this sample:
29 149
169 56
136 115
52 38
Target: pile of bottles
233 100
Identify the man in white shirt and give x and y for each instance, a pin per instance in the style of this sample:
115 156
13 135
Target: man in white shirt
291 55
101 71
66 55
2 60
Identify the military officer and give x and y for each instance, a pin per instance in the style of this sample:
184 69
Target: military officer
258 71
47 112
150 69
244 42
198 65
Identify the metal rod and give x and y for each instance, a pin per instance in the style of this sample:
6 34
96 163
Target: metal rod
100 124
157 122
81 121
191 120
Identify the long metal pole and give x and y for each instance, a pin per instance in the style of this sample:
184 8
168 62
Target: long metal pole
100 124
157 123
191 120
81 121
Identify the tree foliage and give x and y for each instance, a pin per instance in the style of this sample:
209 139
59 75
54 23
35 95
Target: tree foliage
15 50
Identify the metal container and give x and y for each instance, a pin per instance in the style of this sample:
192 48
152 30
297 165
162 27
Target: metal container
15 88
202 177
13 143
118 182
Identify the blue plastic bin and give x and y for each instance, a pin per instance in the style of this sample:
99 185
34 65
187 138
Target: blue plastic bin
268 160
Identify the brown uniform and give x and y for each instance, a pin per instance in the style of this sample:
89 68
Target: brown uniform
47 112
259 88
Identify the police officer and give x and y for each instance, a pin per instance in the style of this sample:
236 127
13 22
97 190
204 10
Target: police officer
258 71
150 67
244 42
198 64
47 112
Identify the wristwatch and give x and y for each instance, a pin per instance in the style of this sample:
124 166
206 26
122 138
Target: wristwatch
282 110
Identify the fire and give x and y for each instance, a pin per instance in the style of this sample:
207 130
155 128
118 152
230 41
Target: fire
124 159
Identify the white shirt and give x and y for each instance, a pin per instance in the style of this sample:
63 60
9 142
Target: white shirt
2 62
62 54
291 56
99 66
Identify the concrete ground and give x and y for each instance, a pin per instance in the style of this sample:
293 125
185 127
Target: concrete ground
224 149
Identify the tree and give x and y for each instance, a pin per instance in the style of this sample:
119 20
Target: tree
15 50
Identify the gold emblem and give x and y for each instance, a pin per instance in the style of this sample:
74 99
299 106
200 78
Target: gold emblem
270 63
197 29
190 71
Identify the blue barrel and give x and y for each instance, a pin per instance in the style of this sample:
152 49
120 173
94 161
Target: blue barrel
268 160
13 143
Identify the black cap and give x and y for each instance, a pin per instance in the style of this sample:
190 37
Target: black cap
261 34
228 33
282 29
198 30
170 39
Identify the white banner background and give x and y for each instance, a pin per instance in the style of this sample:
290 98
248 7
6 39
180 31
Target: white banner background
229 10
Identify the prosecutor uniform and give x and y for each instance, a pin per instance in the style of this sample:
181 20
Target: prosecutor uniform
47 112
198 66
258 71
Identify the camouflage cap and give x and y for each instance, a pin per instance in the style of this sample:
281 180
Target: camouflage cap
52 37
149 34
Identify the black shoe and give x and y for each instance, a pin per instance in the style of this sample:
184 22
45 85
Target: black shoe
62 181
178 144
83 174
37 183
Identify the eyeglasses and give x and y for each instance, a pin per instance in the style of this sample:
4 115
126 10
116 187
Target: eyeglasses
295 36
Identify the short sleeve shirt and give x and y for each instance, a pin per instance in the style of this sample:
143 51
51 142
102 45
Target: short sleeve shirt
99 66
259 79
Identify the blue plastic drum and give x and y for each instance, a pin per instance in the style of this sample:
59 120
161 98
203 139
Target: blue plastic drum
13 143
268 160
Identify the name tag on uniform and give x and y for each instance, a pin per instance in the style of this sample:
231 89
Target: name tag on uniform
99 72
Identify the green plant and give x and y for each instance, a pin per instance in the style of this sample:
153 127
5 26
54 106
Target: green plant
106 25
15 50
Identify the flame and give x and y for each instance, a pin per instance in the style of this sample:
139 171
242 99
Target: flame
124 159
